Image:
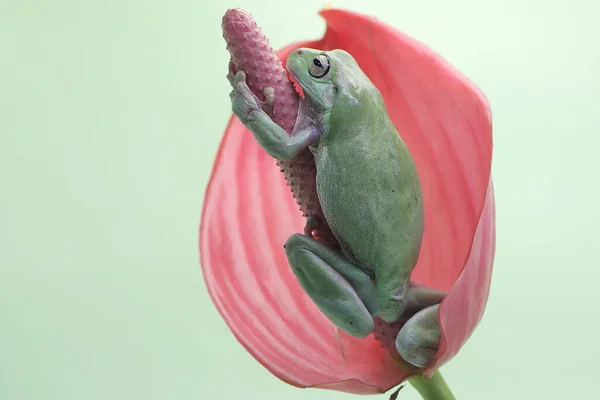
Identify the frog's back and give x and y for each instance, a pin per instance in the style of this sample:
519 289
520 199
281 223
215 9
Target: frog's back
370 191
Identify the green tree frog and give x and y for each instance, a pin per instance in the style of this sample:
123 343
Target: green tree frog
369 189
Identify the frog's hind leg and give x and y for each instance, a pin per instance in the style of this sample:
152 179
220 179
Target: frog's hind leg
421 297
419 338
340 289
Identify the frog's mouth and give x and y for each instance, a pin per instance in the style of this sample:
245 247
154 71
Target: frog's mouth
297 86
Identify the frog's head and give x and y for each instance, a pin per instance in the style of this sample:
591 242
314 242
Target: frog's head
322 75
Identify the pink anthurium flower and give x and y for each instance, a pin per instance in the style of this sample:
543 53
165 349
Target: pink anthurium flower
249 213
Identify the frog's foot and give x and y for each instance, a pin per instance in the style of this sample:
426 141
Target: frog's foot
340 289
244 102
311 225
419 339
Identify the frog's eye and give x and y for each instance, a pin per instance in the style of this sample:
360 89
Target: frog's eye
319 66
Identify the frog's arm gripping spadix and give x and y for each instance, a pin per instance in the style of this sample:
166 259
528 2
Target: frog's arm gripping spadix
250 52
272 138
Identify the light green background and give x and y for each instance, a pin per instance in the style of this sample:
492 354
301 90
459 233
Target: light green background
110 116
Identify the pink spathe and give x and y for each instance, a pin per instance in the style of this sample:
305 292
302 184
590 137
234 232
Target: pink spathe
249 213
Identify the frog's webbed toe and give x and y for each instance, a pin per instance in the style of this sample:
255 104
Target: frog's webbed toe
310 226
267 105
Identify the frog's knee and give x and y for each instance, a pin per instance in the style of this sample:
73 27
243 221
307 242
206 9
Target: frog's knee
330 291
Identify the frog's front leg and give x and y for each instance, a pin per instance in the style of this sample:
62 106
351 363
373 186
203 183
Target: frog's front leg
272 138
341 290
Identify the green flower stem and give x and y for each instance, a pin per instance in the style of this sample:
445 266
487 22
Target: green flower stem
433 389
